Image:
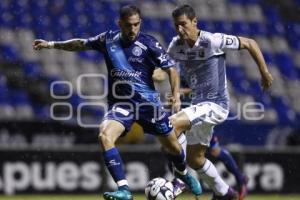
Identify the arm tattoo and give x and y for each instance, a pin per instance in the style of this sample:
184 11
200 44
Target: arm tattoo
71 45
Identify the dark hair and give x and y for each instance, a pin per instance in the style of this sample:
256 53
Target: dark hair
129 10
184 10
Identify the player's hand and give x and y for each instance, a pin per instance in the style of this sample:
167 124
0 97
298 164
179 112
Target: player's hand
175 102
266 80
40 44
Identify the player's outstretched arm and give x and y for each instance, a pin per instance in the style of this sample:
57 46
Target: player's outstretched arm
174 82
253 48
68 45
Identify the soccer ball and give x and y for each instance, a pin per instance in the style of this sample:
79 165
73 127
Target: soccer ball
159 189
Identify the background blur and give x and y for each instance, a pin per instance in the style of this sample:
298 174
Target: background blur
51 101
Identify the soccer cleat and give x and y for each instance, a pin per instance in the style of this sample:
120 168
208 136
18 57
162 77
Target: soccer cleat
118 195
243 188
230 195
191 182
179 186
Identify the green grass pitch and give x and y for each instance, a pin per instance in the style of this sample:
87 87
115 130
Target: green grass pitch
139 197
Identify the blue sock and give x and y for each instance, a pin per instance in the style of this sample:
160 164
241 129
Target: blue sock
231 165
114 164
178 161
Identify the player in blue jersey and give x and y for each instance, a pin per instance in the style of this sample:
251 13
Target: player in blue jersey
131 57
200 55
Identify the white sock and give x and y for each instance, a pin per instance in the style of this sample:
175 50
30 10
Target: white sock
211 177
182 141
122 182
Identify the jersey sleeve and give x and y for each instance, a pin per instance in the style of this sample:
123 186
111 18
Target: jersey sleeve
97 42
160 56
223 41
171 48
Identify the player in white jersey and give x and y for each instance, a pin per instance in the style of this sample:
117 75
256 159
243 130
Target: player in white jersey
200 55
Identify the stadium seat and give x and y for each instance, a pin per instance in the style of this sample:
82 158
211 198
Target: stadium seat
240 28
285 114
254 13
272 15
9 53
286 66
276 29
237 13
222 26
257 29
20 101
31 69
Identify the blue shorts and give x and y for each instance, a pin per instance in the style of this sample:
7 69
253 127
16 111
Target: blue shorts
214 142
153 119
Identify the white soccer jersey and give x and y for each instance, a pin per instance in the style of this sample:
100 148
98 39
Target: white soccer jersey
203 65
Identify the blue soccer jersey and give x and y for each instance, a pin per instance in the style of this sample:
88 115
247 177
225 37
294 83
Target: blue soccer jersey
130 65
130 74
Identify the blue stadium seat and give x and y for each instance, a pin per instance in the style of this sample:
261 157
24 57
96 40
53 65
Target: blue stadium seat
7 19
59 89
272 15
240 28
4 98
286 66
275 29
75 100
222 27
18 97
255 89
150 24
38 9
167 29
257 28
245 2
41 112
9 53
238 79
269 58
283 110
32 69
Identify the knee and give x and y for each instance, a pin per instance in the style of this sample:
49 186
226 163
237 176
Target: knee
105 140
215 152
175 123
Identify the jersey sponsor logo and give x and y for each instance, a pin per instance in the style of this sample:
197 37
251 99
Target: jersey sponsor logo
204 44
191 55
137 51
136 59
125 74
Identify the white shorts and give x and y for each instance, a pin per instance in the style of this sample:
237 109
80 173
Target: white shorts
203 117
